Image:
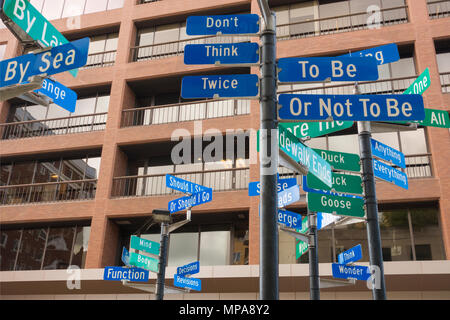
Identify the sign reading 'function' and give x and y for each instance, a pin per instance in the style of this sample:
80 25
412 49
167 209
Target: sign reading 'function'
222 25
294 70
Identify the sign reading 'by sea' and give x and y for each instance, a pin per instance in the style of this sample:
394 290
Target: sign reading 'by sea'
29 19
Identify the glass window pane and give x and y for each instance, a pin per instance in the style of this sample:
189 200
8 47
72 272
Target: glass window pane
167 33
9 245
427 234
37 4
73 8
95 6
388 138
443 61
183 248
395 235
413 142
22 173
59 248
93 168
403 68
102 104
347 143
80 247
214 248
317 143
55 111
2 50
31 249
4 174
146 37
52 9
85 106
97 44
115 4
111 42
36 112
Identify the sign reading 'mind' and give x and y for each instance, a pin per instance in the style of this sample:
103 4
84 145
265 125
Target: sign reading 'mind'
30 20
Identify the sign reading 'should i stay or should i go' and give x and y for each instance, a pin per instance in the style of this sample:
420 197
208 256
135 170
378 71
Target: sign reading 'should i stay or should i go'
304 107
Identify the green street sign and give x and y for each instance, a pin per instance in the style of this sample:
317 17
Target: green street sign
300 248
343 183
304 228
315 129
341 160
30 20
436 118
141 261
342 206
305 156
144 245
421 84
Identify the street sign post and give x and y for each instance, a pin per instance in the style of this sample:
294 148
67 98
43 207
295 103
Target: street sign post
351 255
56 60
350 272
130 274
141 261
183 185
283 184
315 129
390 174
29 19
222 24
288 196
385 152
343 183
383 54
304 156
145 245
391 107
343 206
220 86
295 70
341 160
223 53
60 94
188 269
190 201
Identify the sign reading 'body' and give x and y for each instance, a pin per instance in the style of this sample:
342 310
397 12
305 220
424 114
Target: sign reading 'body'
351 107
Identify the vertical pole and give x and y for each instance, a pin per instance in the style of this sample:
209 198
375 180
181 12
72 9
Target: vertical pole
268 269
162 261
314 282
370 200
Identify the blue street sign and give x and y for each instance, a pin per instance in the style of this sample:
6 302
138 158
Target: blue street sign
331 193
60 94
350 272
190 201
222 53
223 86
390 174
222 24
58 59
183 282
283 184
351 255
183 185
384 152
191 268
290 219
383 54
130 274
294 70
299 107
325 219
125 257
288 196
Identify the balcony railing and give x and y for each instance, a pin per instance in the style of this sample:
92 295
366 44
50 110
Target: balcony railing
418 166
445 81
101 59
343 23
187 111
176 48
48 192
385 86
56 126
155 184
438 9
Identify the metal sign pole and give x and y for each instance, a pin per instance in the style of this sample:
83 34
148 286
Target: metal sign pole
370 200
162 261
268 281
314 281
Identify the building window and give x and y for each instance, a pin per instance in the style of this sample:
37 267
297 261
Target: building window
438 8
443 61
2 51
56 9
46 248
